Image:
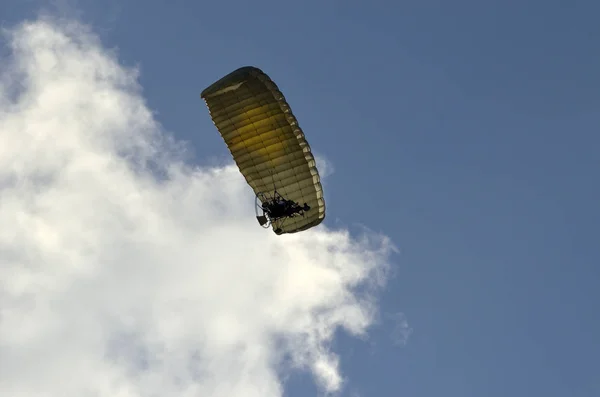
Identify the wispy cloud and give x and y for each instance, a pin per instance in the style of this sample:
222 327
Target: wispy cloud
324 165
125 272
401 331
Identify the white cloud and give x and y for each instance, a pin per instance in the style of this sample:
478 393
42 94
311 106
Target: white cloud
324 165
114 282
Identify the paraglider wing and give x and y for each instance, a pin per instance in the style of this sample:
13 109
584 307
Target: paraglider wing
266 142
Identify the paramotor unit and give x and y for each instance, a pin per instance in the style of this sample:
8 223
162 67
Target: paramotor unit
274 210
269 148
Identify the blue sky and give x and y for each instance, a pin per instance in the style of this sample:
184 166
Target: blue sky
467 131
